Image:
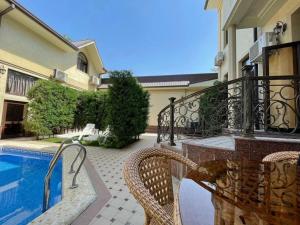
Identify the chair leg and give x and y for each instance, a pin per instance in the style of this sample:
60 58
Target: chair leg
147 219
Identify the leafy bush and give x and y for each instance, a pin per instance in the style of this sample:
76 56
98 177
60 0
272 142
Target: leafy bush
212 110
127 110
91 108
51 108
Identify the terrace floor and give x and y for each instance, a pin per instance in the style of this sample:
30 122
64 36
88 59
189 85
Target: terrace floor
122 208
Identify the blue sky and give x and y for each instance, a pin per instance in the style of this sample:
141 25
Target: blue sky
149 37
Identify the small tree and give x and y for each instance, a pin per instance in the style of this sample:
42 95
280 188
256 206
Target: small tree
51 108
91 108
127 109
143 110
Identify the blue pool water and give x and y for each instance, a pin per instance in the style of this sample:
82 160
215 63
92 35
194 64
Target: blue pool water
22 175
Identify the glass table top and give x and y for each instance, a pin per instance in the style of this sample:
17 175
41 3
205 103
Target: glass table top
242 192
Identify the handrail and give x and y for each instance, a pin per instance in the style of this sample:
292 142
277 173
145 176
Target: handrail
262 78
200 92
261 103
73 163
52 164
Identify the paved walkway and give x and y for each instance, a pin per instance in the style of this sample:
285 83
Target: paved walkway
122 208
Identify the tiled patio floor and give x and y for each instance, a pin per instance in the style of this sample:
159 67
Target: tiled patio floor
122 208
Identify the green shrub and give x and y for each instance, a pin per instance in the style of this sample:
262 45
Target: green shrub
127 110
91 108
51 108
212 110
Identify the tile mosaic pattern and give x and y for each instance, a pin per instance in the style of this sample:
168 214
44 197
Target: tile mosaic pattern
122 208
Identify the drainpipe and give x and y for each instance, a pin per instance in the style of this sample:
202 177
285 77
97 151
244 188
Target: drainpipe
7 10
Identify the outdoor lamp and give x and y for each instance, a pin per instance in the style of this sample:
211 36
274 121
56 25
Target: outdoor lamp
2 69
280 28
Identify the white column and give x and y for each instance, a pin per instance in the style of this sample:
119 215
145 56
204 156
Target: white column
2 93
232 72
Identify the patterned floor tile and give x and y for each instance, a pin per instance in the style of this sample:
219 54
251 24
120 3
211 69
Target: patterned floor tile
122 208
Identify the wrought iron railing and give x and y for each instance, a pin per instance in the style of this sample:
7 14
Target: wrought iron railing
248 105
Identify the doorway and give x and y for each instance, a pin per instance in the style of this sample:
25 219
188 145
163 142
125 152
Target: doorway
282 102
295 21
13 119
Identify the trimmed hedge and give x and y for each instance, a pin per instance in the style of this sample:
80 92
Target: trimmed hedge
127 110
91 108
51 108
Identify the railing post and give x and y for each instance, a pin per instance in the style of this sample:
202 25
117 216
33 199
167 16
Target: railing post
158 128
248 125
172 106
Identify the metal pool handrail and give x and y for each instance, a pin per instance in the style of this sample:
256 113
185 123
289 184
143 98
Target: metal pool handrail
52 164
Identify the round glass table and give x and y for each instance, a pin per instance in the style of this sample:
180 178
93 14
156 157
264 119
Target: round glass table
234 192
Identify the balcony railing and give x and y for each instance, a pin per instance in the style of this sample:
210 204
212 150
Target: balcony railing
264 105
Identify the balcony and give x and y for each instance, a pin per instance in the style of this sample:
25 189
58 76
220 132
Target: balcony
246 13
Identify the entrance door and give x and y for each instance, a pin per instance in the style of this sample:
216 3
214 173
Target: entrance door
14 116
283 102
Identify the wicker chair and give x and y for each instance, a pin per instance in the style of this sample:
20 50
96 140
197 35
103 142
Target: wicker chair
291 156
147 174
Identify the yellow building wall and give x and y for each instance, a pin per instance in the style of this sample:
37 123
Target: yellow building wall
282 63
159 98
284 14
24 48
244 37
26 51
296 25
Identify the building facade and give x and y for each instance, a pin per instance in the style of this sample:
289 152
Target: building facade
31 50
161 88
244 22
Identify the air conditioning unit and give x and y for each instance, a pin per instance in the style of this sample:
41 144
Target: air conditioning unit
60 76
94 80
265 40
219 59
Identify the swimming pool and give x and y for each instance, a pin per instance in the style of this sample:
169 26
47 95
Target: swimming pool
22 175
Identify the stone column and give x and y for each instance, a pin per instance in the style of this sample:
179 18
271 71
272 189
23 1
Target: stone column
3 78
232 73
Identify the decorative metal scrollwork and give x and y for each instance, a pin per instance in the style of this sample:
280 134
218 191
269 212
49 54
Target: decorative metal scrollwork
210 112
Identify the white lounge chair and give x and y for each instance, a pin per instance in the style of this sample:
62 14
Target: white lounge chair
89 130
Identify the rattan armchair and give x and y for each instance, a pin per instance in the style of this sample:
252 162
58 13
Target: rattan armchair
291 156
147 174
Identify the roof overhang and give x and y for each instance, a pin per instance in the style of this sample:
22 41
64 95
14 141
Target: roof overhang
34 24
251 13
95 57
211 4
170 84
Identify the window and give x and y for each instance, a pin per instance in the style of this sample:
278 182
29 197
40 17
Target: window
19 83
82 62
225 38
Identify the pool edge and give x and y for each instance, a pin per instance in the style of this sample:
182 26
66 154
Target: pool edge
74 201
